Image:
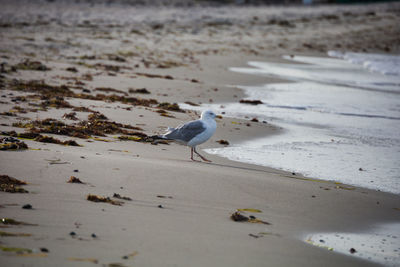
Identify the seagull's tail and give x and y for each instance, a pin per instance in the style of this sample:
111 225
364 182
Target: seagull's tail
158 137
163 136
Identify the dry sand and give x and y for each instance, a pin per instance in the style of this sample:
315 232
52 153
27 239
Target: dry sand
179 212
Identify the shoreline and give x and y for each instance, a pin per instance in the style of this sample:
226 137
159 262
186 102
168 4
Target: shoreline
328 174
161 209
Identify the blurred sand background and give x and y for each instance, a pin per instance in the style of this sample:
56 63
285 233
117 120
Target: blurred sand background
62 57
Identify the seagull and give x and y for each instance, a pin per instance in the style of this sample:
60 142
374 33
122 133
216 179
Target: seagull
193 133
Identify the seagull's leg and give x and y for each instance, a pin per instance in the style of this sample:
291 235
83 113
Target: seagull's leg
203 158
191 155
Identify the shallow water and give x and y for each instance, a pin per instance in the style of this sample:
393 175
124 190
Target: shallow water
381 244
341 121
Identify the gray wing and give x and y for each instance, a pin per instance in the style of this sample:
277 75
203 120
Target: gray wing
186 131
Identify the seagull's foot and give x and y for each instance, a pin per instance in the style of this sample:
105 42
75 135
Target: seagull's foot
195 160
203 158
197 153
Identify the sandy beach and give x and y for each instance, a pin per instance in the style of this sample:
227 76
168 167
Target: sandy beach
101 79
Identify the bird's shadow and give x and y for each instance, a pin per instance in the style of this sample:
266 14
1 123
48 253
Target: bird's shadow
236 167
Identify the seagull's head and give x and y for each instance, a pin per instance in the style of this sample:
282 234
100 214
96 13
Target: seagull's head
208 114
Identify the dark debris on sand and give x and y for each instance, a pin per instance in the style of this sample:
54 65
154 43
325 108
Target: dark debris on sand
51 93
139 91
11 143
121 197
70 116
9 221
96 125
75 180
251 102
238 217
35 136
223 142
31 65
11 185
171 107
96 198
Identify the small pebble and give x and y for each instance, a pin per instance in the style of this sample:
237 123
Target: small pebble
312 196
27 206
160 206
125 257
45 250
76 170
94 235
72 234
353 250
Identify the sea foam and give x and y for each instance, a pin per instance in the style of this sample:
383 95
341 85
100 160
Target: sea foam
340 120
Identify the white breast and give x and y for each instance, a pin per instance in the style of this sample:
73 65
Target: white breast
211 126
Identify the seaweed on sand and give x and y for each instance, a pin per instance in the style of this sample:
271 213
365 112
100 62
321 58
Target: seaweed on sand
135 136
31 65
71 69
169 106
223 142
3 234
97 116
8 113
121 197
49 139
114 57
75 180
55 102
149 75
123 99
82 109
70 116
9 221
40 87
16 250
38 138
26 135
251 102
96 198
139 91
238 217
52 94
18 109
96 125
14 146
164 113
10 143
11 185
192 104
11 180
108 90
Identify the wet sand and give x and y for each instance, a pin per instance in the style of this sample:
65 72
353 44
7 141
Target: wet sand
179 212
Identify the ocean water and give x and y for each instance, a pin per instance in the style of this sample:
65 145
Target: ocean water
340 115
380 244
